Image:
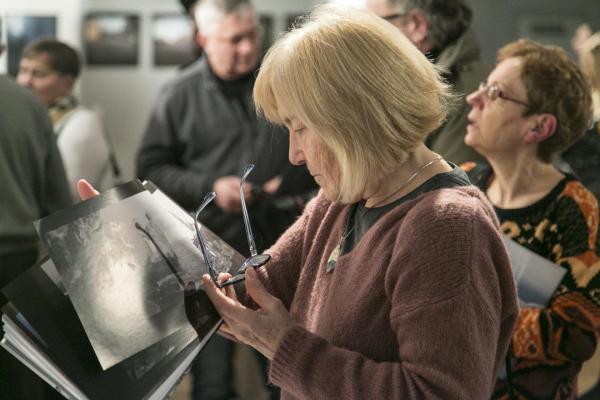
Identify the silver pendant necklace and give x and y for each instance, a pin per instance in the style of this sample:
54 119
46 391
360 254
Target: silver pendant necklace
337 251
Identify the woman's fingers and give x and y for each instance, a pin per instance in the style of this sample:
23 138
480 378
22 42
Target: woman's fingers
258 292
223 277
230 292
227 307
86 190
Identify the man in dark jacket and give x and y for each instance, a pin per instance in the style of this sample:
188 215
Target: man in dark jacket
441 29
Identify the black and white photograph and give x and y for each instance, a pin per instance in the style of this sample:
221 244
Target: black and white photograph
111 38
172 39
22 30
126 266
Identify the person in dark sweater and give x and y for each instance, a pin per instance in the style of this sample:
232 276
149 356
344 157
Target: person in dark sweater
394 283
534 104
583 157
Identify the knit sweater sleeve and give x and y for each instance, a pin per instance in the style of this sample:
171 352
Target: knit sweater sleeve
569 327
280 274
453 305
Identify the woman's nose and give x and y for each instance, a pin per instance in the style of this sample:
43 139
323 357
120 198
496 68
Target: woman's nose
295 153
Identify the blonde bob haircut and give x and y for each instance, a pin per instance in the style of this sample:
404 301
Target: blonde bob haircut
359 85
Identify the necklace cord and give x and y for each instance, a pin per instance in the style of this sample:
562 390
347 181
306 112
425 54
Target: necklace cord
347 232
408 181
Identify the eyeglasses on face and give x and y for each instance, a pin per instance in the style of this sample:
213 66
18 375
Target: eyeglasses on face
493 92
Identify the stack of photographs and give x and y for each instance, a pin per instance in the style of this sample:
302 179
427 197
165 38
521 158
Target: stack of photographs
118 310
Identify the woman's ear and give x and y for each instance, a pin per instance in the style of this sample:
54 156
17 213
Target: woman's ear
543 126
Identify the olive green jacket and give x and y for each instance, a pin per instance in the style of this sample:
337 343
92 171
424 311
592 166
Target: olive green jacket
464 70
32 177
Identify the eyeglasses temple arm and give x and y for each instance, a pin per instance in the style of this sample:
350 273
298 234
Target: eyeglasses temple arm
249 234
211 270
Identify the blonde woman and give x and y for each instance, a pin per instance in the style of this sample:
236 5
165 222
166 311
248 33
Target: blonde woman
394 283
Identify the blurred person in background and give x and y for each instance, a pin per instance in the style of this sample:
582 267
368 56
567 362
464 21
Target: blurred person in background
533 105
33 186
50 69
441 30
584 156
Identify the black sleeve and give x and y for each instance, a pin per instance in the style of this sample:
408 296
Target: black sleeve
159 158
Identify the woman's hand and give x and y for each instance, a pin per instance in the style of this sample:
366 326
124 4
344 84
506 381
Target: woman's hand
86 190
262 329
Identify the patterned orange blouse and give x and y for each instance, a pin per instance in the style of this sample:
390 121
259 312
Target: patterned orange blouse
550 344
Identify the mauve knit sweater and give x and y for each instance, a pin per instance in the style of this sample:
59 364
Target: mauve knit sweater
422 308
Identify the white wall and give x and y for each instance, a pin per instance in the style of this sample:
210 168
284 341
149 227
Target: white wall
124 95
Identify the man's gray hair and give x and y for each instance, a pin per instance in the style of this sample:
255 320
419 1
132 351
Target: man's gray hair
208 14
448 19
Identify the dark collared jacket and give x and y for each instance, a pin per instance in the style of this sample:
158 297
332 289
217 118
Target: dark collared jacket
197 134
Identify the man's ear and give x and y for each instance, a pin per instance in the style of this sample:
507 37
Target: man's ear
542 127
200 39
418 29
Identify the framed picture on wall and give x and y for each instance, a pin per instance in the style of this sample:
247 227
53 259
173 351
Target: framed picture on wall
23 29
111 38
173 39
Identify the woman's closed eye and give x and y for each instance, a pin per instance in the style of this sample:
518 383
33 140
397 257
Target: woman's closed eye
295 131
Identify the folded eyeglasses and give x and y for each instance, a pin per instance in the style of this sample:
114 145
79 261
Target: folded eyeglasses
255 260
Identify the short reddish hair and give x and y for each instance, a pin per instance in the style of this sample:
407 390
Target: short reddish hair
554 85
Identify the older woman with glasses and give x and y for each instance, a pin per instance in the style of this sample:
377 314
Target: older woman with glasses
394 283
536 103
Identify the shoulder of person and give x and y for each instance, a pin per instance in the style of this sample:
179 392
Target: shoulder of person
438 247
583 198
19 98
80 120
187 80
463 59
475 171
450 210
85 114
